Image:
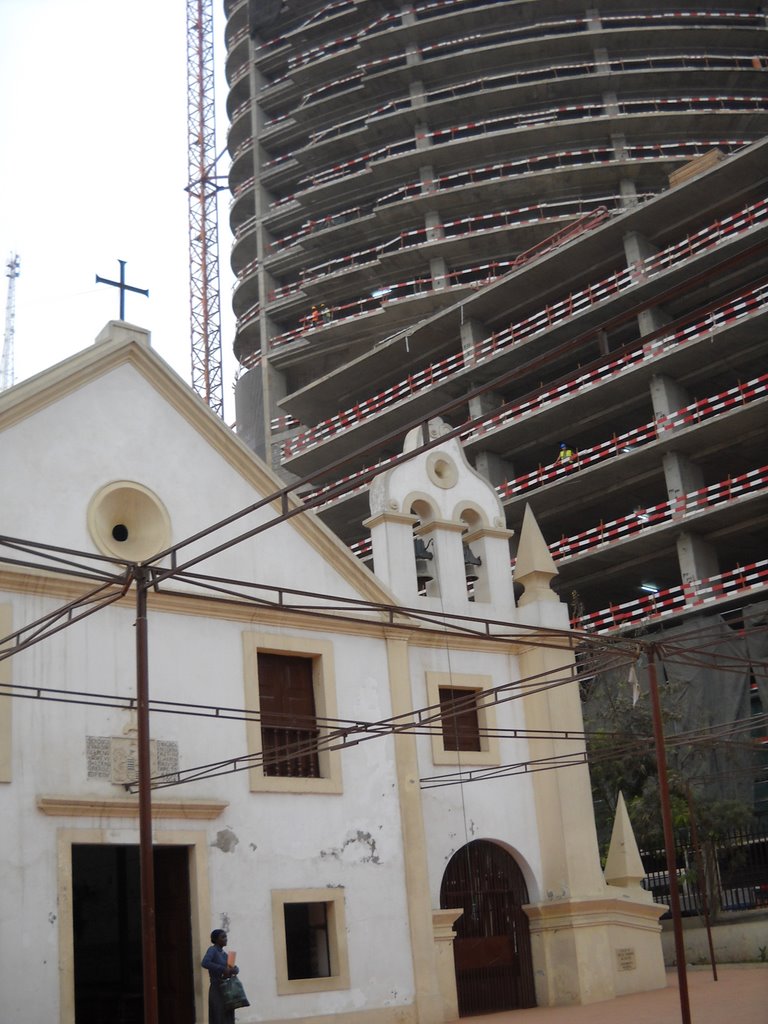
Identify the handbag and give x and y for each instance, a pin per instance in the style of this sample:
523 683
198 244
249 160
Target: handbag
233 994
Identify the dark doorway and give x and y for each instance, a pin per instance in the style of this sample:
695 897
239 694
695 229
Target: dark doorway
492 949
106 915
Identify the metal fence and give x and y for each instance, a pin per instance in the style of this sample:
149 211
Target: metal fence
732 869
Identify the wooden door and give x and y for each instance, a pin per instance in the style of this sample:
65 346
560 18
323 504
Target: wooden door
492 951
106 911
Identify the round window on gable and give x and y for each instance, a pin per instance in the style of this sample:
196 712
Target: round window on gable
127 520
442 470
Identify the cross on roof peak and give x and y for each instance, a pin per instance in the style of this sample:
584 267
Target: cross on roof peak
123 287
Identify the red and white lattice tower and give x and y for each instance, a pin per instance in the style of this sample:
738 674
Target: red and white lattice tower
6 370
205 310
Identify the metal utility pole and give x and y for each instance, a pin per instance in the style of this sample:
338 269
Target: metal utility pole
6 371
669 836
203 189
146 847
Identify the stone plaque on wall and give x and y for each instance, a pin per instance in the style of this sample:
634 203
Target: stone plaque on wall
116 758
626 960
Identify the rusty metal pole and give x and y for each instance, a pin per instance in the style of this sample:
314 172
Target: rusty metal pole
669 837
148 937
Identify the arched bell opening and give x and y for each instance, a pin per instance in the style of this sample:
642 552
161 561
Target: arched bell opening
492 948
427 581
475 572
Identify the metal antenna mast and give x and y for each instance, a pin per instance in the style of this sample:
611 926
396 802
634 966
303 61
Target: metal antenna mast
7 373
205 312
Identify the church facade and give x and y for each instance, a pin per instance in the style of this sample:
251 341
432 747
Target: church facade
340 756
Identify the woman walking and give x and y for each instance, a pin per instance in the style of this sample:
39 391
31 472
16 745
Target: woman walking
215 962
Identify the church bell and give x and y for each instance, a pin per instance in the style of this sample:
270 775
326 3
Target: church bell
470 561
423 557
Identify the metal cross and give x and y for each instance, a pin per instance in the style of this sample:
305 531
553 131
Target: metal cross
123 287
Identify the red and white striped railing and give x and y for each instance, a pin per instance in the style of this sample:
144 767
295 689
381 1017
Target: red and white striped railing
677 254
724 492
686 597
697 412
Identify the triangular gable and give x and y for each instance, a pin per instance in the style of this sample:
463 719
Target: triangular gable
140 395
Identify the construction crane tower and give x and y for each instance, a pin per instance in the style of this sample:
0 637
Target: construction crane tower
203 189
6 370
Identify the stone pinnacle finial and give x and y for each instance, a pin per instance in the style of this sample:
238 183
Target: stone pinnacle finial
534 567
623 868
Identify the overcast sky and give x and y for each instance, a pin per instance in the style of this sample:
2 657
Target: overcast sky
94 162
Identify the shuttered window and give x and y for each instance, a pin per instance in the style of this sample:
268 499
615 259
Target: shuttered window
458 712
288 719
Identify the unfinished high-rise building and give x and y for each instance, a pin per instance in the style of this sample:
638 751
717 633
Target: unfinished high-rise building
546 220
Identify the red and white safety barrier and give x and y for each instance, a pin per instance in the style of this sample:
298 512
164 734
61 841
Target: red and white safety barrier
697 412
695 595
675 255
725 491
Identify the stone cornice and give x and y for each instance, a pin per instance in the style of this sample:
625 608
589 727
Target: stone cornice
120 807
68 589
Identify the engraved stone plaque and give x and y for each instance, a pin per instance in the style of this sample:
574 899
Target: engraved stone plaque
626 960
116 758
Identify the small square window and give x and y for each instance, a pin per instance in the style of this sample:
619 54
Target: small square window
463 723
306 940
310 940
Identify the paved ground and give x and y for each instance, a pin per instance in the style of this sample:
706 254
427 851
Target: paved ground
739 996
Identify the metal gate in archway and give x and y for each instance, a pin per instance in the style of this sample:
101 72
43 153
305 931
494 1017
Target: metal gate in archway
492 948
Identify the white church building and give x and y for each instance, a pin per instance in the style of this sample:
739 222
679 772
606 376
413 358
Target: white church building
351 749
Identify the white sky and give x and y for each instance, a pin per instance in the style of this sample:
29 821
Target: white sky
93 129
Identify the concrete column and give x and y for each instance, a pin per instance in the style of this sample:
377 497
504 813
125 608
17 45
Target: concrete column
438 270
636 249
471 334
602 60
412 55
628 192
603 344
434 225
697 558
427 178
594 23
681 475
251 393
650 320
494 468
619 144
484 403
417 94
611 103
667 395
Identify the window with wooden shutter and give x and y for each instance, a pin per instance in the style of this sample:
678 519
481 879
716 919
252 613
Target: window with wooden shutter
289 729
290 688
465 719
458 713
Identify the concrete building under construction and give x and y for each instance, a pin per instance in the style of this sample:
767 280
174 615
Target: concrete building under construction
544 221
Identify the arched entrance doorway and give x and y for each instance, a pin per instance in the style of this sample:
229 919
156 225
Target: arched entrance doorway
492 949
